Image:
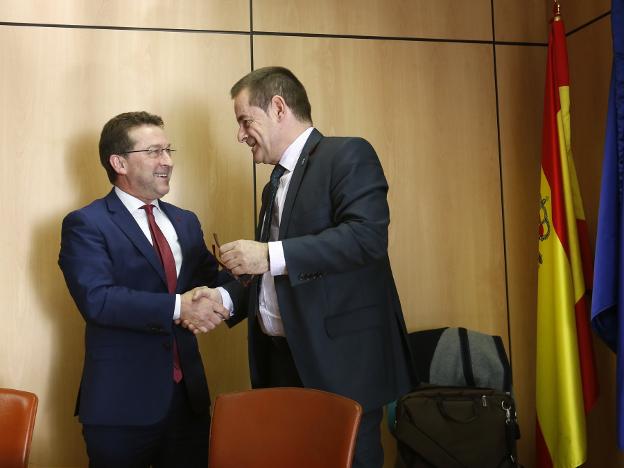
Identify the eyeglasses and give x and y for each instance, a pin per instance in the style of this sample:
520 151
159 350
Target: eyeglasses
154 152
244 280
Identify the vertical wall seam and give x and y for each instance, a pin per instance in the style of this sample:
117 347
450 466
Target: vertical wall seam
500 176
253 164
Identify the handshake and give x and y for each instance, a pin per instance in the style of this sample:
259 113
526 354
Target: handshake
201 310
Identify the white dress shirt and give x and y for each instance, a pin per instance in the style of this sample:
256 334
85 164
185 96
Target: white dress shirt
133 205
270 317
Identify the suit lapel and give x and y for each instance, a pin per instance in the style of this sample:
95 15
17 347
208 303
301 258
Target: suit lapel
295 181
124 220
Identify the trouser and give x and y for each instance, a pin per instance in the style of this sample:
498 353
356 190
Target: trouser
180 439
283 373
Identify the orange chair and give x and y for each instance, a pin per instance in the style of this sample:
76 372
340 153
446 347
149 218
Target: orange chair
17 421
283 428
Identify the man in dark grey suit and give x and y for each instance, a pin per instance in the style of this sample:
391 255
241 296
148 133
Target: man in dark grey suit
322 305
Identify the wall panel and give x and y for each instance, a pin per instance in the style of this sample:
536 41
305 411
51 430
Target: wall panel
405 18
578 12
58 87
192 14
521 71
590 59
525 21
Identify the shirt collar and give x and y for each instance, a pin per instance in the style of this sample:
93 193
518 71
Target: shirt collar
292 153
131 202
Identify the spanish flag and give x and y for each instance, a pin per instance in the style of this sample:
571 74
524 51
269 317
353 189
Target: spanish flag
566 381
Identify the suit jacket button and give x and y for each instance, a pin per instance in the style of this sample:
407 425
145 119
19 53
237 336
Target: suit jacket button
167 346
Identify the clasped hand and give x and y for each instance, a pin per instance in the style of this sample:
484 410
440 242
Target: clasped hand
245 257
201 310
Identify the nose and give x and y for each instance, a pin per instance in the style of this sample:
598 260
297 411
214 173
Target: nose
166 159
240 135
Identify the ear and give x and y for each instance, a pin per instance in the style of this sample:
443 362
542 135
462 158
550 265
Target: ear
118 163
279 106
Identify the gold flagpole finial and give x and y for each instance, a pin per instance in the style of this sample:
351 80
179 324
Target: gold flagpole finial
556 10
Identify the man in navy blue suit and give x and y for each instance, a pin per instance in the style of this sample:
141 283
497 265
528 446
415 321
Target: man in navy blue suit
323 310
130 262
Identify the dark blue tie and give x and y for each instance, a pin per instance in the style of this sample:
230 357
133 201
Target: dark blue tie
278 171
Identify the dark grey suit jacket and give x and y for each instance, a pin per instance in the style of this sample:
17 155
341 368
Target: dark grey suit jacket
339 304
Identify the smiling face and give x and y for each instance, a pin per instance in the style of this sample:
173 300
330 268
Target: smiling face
258 129
143 175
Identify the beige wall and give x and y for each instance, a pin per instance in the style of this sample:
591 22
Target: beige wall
455 119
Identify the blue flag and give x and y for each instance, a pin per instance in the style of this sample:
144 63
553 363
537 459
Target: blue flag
608 294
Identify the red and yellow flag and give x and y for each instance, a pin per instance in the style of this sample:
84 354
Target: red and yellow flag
566 382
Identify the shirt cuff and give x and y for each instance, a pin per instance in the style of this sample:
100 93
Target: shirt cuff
176 309
277 262
227 300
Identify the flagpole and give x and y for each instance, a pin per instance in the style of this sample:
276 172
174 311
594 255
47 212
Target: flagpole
556 10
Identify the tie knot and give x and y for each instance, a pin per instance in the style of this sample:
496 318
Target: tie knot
148 208
278 171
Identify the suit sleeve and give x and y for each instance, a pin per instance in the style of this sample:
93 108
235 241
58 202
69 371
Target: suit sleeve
360 216
208 274
90 276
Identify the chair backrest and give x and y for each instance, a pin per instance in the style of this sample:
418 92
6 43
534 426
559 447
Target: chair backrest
17 421
283 428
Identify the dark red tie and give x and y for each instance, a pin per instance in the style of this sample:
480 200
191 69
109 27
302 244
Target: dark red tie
166 257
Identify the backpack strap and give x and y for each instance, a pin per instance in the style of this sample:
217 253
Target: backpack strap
507 380
466 358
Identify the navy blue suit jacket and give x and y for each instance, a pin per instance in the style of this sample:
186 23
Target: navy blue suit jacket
118 283
339 304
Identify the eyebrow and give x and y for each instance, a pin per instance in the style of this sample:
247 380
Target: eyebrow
157 146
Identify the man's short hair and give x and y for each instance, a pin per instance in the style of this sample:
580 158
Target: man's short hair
264 83
115 139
